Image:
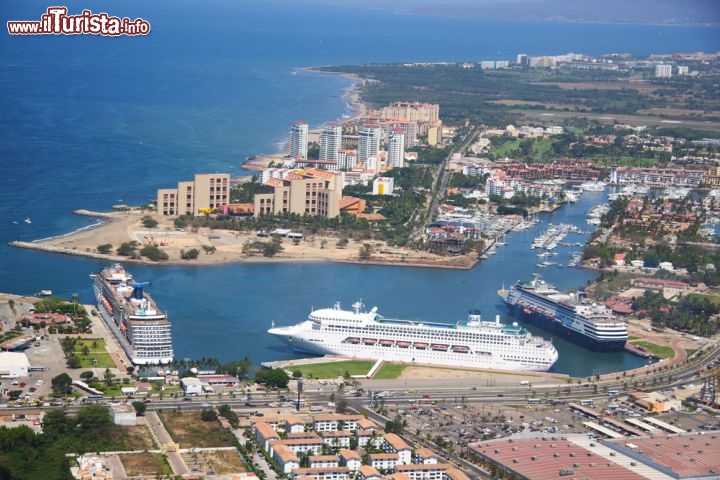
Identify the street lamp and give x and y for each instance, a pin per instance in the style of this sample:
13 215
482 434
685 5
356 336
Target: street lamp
299 390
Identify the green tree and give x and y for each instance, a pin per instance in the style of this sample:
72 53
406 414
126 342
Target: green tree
105 248
74 361
191 254
127 249
153 253
139 407
208 415
149 222
87 376
61 383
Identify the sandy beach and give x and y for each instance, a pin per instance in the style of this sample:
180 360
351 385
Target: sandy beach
118 228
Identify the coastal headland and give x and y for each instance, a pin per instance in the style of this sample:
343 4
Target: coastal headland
227 246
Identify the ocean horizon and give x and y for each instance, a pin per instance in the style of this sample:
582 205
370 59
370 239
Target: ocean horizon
89 122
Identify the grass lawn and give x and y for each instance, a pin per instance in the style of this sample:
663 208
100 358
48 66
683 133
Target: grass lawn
657 350
189 430
690 351
98 357
389 371
334 369
145 464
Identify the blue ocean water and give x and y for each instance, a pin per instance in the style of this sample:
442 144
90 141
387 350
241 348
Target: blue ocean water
88 122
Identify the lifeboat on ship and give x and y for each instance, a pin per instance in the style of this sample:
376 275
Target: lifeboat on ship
460 348
420 345
403 344
439 347
352 340
387 343
369 341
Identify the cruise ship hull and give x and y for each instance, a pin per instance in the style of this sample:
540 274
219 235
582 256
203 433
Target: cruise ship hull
550 325
419 349
144 338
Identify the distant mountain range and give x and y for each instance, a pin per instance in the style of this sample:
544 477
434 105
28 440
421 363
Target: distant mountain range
666 12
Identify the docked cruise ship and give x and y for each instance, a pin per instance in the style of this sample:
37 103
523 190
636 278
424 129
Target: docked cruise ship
141 328
589 325
472 343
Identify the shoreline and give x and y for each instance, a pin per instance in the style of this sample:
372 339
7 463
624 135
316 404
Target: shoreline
222 247
351 96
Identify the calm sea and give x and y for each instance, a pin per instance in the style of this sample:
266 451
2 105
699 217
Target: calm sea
88 122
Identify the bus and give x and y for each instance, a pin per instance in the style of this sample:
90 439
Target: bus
534 401
586 402
613 393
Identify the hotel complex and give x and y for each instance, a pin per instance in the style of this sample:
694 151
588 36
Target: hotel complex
209 191
299 139
310 191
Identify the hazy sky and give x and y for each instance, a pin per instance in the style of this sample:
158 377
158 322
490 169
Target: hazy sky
624 11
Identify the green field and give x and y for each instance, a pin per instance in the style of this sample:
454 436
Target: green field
389 371
690 351
714 299
97 356
334 369
657 350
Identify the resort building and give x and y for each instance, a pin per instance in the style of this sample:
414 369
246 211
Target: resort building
299 139
330 141
396 149
207 193
413 111
310 191
368 142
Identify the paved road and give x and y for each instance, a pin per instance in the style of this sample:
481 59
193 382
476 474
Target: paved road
162 437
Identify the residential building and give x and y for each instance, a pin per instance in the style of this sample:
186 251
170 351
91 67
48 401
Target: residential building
207 193
682 70
425 455
322 473
368 142
310 191
394 444
324 461
521 59
299 139
383 186
330 141
336 421
396 149
414 111
337 439
347 159
350 459
425 471
663 71
285 458
383 461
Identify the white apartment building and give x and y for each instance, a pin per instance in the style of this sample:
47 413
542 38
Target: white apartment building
396 149
299 139
383 186
347 159
330 141
368 142
663 71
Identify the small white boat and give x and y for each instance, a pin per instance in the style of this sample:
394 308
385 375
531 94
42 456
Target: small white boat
45 293
27 220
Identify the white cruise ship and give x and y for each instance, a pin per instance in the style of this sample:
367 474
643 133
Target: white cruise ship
474 343
141 328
